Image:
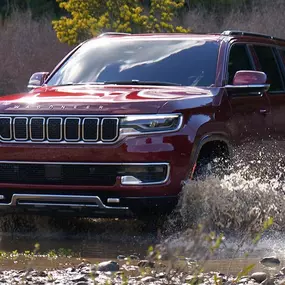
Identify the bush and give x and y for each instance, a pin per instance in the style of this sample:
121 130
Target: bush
89 18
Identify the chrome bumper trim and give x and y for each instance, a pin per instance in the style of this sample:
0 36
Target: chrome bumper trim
75 201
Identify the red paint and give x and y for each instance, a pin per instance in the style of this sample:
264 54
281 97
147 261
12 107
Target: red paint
247 77
207 111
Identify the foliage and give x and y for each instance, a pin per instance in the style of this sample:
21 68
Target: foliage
91 17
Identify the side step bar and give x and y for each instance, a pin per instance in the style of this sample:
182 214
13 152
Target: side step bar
41 200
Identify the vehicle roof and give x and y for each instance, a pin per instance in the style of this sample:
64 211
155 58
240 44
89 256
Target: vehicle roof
224 36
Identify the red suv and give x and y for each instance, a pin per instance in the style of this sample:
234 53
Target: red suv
124 120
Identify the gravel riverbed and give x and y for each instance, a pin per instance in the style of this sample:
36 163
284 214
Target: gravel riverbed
135 271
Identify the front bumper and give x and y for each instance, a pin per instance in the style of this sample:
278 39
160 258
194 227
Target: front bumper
173 149
86 206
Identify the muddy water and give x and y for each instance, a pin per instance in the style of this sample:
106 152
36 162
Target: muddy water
237 204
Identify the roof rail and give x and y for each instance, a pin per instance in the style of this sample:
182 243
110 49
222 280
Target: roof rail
244 33
114 34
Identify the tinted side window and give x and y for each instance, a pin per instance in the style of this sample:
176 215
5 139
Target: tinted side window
269 65
238 60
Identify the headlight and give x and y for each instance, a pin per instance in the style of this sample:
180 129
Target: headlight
143 124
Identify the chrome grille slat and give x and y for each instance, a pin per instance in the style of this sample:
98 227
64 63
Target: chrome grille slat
5 127
37 128
67 128
109 129
86 136
20 134
52 129
59 129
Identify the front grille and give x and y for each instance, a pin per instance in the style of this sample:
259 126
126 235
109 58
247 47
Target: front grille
78 174
58 129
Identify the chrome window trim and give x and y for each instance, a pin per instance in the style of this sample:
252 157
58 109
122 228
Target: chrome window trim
30 129
47 121
83 129
105 163
14 128
78 129
11 131
117 129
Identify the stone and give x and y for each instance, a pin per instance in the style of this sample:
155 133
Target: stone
282 270
121 257
42 274
134 257
146 263
80 278
270 261
258 276
148 279
108 266
268 282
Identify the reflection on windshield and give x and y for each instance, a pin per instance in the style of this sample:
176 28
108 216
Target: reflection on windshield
186 62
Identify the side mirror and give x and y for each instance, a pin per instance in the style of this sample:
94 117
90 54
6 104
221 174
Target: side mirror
249 82
37 80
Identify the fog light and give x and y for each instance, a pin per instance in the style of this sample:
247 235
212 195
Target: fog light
2 197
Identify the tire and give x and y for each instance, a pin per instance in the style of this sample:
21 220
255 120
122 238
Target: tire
211 164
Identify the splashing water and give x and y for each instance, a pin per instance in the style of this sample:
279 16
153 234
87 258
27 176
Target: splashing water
236 204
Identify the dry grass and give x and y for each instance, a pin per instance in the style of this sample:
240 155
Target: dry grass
265 17
26 47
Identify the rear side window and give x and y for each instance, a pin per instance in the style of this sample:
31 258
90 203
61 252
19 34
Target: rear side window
238 60
269 65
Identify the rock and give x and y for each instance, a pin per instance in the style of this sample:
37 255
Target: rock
82 283
80 278
268 282
42 274
148 279
282 270
108 266
270 261
161 275
121 257
134 257
258 276
80 265
146 263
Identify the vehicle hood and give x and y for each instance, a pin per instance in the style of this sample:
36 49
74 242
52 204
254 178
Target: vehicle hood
98 99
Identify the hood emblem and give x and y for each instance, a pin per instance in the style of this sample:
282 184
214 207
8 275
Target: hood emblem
54 107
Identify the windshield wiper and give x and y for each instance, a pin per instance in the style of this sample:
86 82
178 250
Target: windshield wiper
129 82
139 82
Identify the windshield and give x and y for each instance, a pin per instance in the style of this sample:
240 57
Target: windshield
187 62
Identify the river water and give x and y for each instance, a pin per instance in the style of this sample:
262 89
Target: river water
238 205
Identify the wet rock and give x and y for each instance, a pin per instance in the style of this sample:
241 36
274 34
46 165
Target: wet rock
121 257
42 274
268 282
80 265
134 257
148 279
146 263
259 276
108 266
82 283
270 261
80 278
161 275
